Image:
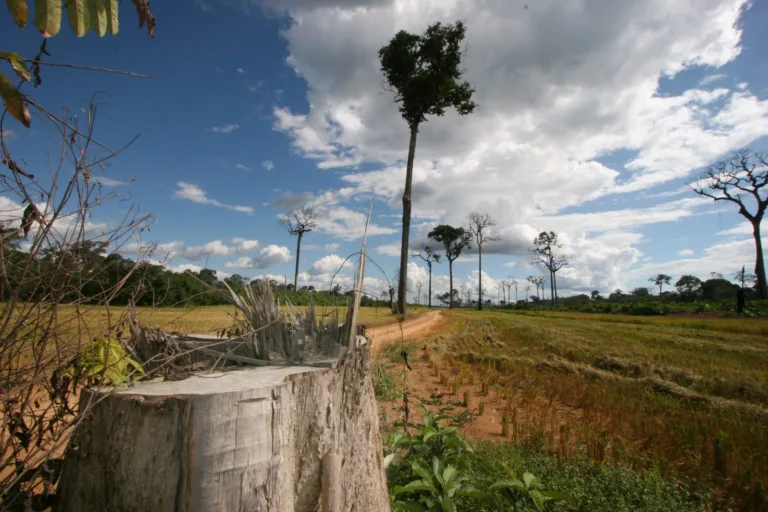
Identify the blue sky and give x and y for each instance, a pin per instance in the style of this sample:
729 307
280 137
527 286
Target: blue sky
592 118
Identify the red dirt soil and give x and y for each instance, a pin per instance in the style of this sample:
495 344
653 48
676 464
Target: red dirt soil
422 382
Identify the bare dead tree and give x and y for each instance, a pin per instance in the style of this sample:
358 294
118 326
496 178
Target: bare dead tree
543 251
538 282
418 292
429 256
299 221
512 283
741 180
480 225
48 324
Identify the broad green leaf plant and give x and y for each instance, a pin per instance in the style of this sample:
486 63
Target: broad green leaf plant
426 472
520 494
107 362
436 490
99 16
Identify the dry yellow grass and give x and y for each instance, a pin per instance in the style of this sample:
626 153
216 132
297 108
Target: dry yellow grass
209 319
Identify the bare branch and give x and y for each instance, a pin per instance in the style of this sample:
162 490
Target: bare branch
88 68
302 220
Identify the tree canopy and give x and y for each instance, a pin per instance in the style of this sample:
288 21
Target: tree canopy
424 72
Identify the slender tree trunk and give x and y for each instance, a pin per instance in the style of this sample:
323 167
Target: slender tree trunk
403 282
762 286
298 253
430 286
450 284
552 287
554 283
480 278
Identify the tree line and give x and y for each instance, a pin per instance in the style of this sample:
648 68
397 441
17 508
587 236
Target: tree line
108 277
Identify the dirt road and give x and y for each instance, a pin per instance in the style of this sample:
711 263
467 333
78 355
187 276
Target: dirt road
384 335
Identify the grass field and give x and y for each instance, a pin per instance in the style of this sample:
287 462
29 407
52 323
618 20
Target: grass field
209 319
681 396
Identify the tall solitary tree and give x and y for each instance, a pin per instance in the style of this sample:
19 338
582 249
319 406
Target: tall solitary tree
660 280
299 221
429 256
424 73
543 250
454 240
480 225
742 180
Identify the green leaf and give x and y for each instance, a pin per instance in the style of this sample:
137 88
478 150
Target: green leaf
449 473
418 486
448 505
113 24
19 11
388 460
17 63
136 366
427 433
469 491
98 17
531 482
436 467
507 483
14 101
538 500
79 17
94 370
421 471
48 17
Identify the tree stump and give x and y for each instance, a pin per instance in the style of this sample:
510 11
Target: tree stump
287 438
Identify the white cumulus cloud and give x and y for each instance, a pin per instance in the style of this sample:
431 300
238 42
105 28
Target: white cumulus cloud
193 193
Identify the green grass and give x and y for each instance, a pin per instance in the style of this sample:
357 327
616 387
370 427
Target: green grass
593 488
387 384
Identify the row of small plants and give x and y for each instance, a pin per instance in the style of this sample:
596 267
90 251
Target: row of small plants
426 471
755 308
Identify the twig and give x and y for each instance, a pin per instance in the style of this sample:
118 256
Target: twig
89 68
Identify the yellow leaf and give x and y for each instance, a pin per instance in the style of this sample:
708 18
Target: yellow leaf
112 23
79 17
48 17
14 101
18 64
18 9
98 17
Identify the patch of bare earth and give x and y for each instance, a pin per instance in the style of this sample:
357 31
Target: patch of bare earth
410 330
525 413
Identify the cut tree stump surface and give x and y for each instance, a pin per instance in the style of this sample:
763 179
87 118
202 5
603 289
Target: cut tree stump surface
287 439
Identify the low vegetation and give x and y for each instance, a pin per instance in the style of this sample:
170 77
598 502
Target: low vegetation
618 412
